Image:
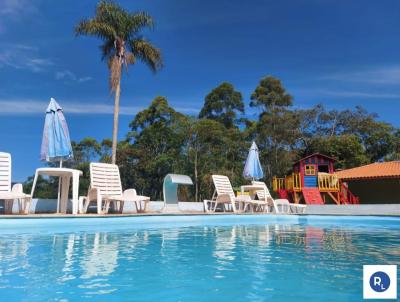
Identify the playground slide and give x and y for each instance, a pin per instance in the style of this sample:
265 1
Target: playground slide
312 196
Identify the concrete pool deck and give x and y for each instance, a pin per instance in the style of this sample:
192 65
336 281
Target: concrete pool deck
47 207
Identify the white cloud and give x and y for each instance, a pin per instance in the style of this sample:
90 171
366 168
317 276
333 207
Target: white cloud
68 75
23 107
15 11
14 8
20 56
372 75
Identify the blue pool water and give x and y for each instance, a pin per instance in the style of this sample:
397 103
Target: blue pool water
193 258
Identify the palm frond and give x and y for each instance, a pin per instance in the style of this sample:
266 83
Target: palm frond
147 53
119 30
92 27
138 21
107 49
113 14
130 58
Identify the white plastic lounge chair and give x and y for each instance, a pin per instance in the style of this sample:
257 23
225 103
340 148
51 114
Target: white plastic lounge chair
105 186
279 206
224 195
9 194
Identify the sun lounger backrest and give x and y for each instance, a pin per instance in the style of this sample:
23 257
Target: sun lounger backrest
262 195
5 172
106 178
223 185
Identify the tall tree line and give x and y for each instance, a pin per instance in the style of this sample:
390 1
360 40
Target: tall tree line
162 140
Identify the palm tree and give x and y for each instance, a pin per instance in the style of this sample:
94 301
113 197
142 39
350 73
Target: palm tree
122 45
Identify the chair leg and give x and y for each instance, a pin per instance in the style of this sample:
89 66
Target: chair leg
81 203
99 204
107 206
19 205
86 203
205 204
27 205
8 205
215 206
234 207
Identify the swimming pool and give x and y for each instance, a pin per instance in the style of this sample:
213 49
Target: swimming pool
193 258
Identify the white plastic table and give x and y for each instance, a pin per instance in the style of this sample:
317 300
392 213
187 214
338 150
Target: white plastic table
65 176
251 188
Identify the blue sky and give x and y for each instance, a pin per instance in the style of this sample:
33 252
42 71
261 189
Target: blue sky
338 53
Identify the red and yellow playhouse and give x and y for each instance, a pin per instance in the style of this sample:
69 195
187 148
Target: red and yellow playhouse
314 181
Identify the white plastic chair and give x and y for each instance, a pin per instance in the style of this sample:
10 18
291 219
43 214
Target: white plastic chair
279 206
224 195
9 194
105 186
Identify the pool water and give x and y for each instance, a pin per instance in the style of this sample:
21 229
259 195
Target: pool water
193 258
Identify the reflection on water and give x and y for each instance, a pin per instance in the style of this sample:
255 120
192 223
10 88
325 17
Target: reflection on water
256 263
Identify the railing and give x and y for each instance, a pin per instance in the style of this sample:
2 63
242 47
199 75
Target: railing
328 182
296 181
291 183
346 196
278 184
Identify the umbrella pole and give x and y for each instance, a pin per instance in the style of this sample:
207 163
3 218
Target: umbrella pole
59 187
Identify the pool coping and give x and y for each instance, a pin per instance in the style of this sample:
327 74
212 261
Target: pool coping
157 214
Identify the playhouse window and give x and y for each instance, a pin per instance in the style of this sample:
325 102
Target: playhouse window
310 170
323 168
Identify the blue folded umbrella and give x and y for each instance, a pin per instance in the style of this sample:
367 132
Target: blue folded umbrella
252 168
56 143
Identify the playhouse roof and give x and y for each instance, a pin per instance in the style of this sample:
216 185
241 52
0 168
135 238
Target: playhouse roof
316 154
389 169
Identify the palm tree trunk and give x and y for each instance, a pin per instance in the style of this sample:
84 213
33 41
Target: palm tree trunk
115 129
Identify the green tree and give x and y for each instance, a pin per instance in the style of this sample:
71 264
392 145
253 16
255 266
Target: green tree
395 155
157 139
122 45
276 128
376 137
213 149
106 146
223 104
89 148
270 95
346 149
